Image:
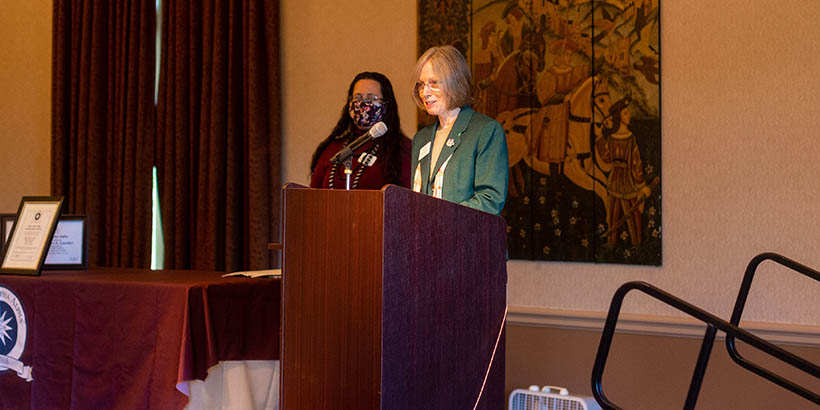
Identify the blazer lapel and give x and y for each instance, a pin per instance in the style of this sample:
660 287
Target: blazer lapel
463 120
425 162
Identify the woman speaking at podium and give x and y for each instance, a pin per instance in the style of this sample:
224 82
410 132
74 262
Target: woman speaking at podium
381 161
462 157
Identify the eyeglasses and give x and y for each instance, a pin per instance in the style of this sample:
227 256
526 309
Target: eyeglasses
368 99
433 85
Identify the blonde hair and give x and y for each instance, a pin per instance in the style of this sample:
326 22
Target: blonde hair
453 72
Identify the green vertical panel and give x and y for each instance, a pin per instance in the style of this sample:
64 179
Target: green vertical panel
626 40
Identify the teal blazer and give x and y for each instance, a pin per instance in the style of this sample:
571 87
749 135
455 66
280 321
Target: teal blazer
478 172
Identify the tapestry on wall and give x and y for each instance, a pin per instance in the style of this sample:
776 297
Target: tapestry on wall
576 86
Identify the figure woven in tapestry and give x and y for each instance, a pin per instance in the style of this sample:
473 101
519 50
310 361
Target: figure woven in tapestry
576 86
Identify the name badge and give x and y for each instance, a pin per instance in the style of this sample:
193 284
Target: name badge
424 151
367 159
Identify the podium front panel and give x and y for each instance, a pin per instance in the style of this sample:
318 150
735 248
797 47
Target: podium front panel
331 299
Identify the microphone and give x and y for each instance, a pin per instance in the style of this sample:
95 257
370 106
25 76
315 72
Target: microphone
376 131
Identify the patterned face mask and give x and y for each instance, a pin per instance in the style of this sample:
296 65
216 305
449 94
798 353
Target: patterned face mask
365 113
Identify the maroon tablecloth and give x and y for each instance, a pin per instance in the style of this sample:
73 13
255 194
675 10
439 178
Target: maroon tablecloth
123 339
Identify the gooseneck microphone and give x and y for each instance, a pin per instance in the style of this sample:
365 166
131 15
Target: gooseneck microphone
376 131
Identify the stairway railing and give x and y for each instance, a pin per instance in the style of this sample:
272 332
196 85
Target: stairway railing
713 324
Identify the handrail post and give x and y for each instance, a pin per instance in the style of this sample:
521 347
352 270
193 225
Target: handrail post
700 367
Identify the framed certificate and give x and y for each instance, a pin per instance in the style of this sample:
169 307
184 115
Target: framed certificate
69 246
31 235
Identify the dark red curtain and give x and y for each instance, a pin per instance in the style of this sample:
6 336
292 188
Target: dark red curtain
102 123
218 133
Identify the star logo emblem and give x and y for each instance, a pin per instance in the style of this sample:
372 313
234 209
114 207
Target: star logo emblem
4 328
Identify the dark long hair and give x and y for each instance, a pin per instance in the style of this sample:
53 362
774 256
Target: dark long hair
391 141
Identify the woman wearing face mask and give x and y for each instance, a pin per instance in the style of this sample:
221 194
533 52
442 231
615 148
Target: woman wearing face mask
462 157
384 160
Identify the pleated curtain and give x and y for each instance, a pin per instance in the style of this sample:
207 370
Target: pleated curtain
214 133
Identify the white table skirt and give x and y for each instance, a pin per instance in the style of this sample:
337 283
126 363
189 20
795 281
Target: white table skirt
236 385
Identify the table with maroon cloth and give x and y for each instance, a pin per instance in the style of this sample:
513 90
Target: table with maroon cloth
124 339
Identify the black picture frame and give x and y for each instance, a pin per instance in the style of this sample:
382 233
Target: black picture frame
7 223
26 248
77 258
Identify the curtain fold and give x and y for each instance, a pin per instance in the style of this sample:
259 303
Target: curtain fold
103 123
218 142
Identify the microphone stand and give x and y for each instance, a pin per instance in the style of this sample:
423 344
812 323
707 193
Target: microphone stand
348 163
345 155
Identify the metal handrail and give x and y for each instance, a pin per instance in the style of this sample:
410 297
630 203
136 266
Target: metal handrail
713 324
737 313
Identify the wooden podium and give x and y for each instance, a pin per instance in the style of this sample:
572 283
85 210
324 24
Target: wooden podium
390 300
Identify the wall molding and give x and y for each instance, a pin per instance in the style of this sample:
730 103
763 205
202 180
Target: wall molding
657 325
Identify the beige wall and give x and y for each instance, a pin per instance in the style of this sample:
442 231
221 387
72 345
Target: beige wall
740 103
324 45
740 96
25 100
740 99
